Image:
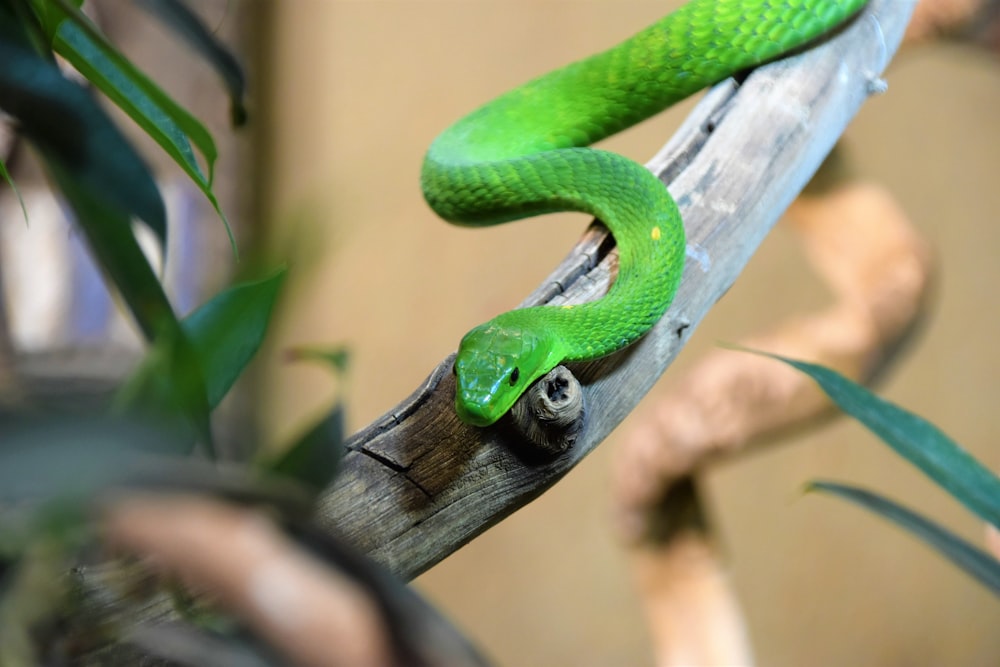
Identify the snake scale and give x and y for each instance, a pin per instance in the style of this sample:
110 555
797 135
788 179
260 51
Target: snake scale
526 153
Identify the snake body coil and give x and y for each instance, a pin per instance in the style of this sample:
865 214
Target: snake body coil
524 154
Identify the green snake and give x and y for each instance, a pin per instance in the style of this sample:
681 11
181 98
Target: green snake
525 154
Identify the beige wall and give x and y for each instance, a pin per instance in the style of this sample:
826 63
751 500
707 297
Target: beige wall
360 90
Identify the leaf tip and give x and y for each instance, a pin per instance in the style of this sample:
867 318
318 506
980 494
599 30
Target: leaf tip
238 114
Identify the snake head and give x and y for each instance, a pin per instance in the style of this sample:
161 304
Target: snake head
495 364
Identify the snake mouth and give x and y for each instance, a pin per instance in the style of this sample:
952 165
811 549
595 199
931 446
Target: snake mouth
475 415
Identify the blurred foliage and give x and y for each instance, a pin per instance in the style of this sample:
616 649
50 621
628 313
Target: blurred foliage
925 446
55 467
973 561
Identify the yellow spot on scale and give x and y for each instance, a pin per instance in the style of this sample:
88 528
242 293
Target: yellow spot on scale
502 361
568 307
655 234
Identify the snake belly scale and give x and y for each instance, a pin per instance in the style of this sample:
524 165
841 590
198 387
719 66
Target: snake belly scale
525 154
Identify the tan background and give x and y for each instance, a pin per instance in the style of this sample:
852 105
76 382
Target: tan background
361 88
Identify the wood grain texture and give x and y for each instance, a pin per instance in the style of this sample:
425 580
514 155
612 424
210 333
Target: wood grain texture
417 483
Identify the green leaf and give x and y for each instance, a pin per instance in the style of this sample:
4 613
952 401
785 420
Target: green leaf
189 27
223 335
104 182
166 122
109 235
90 174
913 438
25 18
108 72
975 562
63 10
315 458
50 15
171 126
228 330
337 358
13 186
64 120
168 385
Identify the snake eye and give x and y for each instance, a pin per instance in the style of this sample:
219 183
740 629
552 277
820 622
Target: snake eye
514 375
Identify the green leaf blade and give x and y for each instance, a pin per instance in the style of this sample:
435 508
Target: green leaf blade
169 124
76 47
336 358
218 340
200 136
63 119
314 459
50 15
108 73
913 438
109 235
216 343
229 329
974 562
188 26
5 175
105 183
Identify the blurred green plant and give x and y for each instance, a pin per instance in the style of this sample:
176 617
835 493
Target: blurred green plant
925 446
191 364
58 602
99 174
54 467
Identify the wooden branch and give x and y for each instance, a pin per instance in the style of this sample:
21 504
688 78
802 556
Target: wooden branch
417 483
293 600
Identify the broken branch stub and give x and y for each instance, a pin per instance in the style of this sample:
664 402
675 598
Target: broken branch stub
550 414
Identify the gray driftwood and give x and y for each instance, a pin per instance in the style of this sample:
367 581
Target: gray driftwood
417 484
